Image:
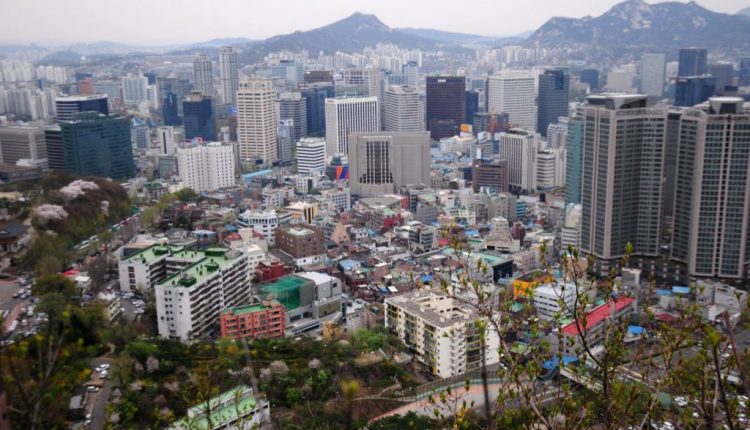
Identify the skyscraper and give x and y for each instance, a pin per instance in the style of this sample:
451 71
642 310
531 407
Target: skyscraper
292 106
349 115
446 102
134 89
403 109
167 141
22 142
653 72
574 160
199 117
288 71
692 90
97 145
68 107
203 75
724 74
623 145
170 110
692 62
472 105
745 71
256 121
519 147
315 105
410 73
711 210
229 71
512 92
381 162
55 151
370 78
311 155
591 77
206 166
554 89
284 148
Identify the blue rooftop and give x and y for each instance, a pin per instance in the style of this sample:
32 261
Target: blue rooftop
661 292
554 361
348 265
249 176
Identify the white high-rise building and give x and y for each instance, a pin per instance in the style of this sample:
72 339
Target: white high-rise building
403 109
439 329
264 222
512 92
229 71
311 155
206 167
349 115
621 80
550 168
519 147
256 121
134 89
653 71
557 133
369 78
167 143
203 75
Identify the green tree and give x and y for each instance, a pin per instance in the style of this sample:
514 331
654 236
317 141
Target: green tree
187 195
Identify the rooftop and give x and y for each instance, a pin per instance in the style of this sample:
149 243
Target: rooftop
206 263
226 408
241 310
598 314
434 307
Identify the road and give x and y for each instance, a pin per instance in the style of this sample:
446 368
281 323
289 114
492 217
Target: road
474 395
99 411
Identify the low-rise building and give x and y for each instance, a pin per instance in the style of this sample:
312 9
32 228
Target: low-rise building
548 297
261 320
309 298
304 243
597 321
440 332
264 222
236 409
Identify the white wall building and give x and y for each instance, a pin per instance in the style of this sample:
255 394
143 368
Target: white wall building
550 168
349 115
206 167
519 147
547 299
440 330
256 121
403 109
134 89
167 142
191 298
311 155
264 222
513 92
229 74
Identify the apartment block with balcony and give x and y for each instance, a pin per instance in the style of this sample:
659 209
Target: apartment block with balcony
440 332
260 320
190 300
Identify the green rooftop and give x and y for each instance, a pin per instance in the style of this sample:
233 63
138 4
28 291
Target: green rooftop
226 408
153 253
205 263
285 290
241 310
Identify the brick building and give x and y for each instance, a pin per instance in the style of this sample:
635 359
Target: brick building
266 319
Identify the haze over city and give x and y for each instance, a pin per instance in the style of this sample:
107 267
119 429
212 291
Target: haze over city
374 215
145 22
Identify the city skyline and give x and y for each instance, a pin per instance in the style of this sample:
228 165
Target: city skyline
17 26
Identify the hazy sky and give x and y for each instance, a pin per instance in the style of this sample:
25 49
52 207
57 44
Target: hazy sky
154 22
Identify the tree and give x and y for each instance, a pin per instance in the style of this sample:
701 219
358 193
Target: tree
187 195
54 284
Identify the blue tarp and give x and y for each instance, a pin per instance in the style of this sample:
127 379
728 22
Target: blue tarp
248 176
635 330
553 362
426 278
680 289
384 290
661 292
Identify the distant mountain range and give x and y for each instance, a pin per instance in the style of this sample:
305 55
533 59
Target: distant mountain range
635 25
628 28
